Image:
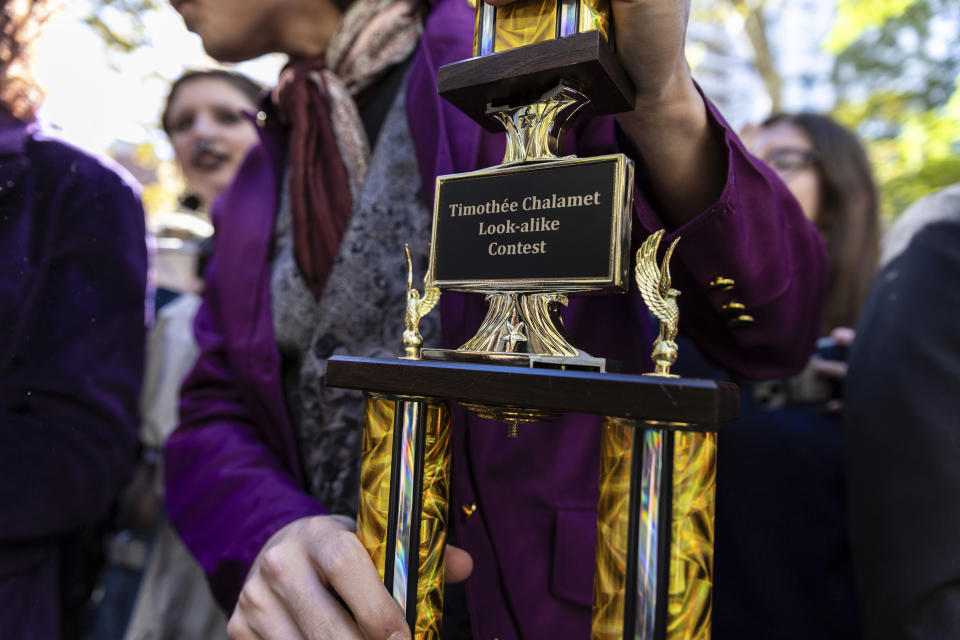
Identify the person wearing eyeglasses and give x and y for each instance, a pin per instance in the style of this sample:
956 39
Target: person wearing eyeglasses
828 172
783 561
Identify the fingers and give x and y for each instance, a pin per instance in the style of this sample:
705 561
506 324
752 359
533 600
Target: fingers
830 368
457 564
342 561
260 615
315 612
286 596
843 336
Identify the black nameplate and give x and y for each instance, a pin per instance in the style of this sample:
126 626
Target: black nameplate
555 226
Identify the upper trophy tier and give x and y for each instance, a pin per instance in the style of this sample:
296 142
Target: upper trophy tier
524 23
524 49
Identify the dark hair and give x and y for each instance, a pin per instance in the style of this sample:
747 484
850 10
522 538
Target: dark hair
848 217
19 94
238 81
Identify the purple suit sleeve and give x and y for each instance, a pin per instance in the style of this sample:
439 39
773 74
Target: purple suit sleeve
71 387
754 234
227 492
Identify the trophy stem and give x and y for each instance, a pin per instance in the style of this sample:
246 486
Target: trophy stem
405 476
535 131
520 329
523 323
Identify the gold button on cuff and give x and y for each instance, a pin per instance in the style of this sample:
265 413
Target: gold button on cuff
721 284
733 308
740 322
468 510
261 119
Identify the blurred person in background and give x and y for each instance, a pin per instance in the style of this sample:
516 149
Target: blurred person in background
783 564
902 429
826 168
208 117
73 280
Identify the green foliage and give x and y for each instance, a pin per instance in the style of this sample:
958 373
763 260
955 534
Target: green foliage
897 85
856 16
119 23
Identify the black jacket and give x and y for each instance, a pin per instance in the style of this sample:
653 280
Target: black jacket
903 430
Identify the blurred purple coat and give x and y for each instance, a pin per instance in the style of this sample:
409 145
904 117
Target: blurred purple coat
233 473
73 270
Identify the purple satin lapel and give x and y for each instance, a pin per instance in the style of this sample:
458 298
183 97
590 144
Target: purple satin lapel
244 218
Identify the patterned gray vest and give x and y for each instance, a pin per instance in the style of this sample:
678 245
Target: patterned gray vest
360 312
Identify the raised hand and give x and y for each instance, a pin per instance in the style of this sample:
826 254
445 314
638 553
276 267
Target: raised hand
669 125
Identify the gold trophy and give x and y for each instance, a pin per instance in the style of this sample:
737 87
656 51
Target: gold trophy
527 234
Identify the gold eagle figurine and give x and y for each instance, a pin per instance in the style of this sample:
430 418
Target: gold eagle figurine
654 284
417 308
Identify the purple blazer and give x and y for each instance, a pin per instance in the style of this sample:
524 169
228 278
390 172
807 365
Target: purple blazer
233 476
73 272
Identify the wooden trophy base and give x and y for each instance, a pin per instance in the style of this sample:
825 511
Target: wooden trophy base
520 76
677 403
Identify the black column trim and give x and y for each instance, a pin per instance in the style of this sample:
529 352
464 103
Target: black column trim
416 516
633 533
664 536
392 515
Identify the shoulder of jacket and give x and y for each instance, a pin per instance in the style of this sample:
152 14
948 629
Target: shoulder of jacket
66 161
940 207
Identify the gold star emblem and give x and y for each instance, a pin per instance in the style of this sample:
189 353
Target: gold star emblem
514 335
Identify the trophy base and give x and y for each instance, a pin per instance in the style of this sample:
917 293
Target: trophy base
516 415
581 362
675 403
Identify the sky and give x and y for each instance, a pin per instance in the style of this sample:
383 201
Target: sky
91 103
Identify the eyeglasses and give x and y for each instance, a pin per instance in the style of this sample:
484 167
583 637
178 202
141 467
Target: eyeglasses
789 160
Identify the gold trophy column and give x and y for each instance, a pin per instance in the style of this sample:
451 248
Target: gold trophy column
400 524
404 486
655 516
690 604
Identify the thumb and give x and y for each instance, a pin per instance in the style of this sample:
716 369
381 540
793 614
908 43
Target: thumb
458 565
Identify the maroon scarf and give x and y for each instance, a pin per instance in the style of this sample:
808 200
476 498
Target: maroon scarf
320 199
328 146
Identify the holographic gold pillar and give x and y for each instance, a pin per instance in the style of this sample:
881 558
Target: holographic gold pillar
377 449
531 21
691 548
654 556
613 519
404 484
629 515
